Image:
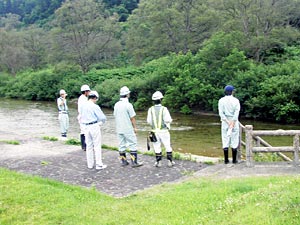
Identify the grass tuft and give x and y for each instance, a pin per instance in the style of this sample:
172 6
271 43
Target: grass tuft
11 142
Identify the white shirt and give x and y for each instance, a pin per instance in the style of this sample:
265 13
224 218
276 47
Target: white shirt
123 112
91 112
229 108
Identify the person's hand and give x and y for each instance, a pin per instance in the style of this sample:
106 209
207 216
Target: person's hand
135 130
231 124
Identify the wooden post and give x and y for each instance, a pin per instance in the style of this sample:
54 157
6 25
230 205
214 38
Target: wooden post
296 149
257 142
249 145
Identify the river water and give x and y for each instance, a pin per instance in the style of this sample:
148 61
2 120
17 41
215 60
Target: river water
195 134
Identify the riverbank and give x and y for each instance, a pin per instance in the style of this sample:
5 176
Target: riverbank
67 163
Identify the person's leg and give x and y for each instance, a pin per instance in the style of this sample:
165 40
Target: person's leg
96 136
157 150
225 141
122 149
61 124
82 137
235 139
226 161
166 140
89 149
132 145
64 124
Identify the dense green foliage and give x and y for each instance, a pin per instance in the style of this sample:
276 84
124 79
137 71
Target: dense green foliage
33 200
30 11
40 11
189 50
188 82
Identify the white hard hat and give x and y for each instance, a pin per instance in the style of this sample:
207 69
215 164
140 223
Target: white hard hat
85 88
94 93
62 92
157 95
124 91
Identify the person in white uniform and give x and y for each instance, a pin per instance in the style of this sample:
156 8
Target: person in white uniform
229 109
126 128
63 114
160 119
93 118
85 90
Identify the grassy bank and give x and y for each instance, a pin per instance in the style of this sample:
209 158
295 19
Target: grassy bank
265 200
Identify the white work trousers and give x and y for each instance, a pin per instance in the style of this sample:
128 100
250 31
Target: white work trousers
233 139
164 138
93 145
63 122
127 140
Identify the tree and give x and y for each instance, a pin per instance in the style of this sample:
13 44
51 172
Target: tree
13 55
84 33
258 20
158 27
35 42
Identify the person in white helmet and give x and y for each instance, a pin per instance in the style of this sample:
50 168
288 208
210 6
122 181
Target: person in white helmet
92 118
63 116
160 119
85 90
229 109
126 128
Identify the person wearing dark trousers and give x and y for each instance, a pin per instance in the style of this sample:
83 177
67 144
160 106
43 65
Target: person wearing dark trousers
85 90
126 128
229 109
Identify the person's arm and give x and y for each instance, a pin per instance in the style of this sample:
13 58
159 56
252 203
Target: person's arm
149 117
100 115
133 122
235 115
221 112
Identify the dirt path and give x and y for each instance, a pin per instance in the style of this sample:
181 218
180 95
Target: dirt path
67 163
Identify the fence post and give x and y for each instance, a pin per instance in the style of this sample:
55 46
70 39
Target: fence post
249 145
296 149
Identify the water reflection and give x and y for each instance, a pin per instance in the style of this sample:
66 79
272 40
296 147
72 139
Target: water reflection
196 134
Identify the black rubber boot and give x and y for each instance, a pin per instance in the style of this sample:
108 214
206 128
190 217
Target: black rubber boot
158 159
134 162
170 159
123 159
226 161
234 154
82 141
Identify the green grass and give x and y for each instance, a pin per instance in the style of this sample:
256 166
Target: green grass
50 138
265 200
11 142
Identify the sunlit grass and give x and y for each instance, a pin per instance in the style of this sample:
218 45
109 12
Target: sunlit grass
11 142
265 200
50 138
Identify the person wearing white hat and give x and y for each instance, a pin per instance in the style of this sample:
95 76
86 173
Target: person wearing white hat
126 128
229 109
92 119
63 116
85 90
160 119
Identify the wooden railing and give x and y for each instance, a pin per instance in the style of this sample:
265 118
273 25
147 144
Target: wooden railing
253 143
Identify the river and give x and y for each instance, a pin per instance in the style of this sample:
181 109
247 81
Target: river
196 134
